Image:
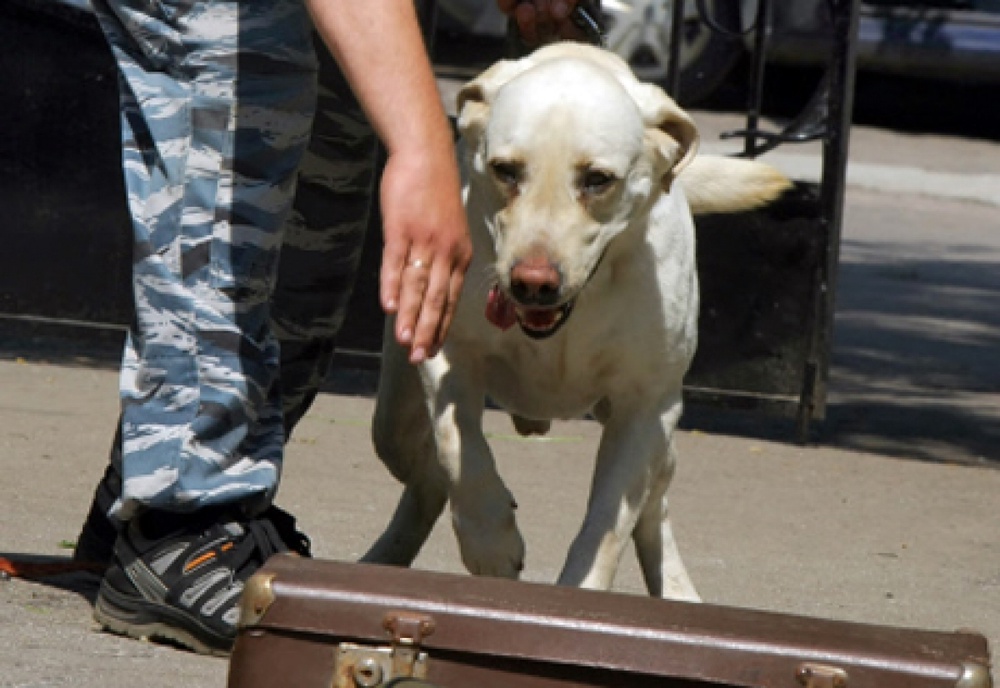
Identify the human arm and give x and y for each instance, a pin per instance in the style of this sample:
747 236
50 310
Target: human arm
379 47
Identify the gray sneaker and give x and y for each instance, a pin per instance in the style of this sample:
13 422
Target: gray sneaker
178 578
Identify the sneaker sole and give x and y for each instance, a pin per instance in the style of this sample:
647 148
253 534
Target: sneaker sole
142 620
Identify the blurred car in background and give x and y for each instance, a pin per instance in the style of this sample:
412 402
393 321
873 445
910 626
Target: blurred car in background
942 39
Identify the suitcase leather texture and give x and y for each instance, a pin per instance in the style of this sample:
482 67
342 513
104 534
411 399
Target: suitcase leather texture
312 623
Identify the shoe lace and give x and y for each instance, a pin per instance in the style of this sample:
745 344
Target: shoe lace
267 542
284 523
272 533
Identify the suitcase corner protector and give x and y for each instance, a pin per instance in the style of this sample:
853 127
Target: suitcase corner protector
975 675
258 596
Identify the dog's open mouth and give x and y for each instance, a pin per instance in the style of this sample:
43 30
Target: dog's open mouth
535 321
543 322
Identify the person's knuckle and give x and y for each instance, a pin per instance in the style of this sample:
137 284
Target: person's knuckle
437 300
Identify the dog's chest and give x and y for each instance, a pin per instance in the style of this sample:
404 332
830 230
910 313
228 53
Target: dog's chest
545 382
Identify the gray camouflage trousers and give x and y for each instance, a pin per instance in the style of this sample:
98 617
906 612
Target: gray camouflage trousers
249 185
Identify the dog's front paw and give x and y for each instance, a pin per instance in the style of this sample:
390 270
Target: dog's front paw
488 538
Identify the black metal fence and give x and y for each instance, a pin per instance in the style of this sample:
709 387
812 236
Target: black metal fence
780 358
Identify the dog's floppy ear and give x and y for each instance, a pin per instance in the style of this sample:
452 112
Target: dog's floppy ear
671 132
473 110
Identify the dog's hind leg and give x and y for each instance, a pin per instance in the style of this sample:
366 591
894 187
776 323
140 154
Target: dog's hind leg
659 558
404 441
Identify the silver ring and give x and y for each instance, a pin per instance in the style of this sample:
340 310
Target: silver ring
417 263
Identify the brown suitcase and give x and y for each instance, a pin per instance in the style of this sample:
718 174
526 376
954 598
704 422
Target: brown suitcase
309 623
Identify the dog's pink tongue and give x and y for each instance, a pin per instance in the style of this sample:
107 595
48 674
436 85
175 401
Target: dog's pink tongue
499 310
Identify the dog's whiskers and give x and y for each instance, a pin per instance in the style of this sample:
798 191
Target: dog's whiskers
489 277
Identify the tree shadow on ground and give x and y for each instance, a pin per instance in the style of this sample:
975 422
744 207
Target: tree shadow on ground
913 371
915 345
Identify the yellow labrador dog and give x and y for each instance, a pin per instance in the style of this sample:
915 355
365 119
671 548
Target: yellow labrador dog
582 298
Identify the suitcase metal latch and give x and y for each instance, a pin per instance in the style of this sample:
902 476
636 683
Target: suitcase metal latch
361 666
821 676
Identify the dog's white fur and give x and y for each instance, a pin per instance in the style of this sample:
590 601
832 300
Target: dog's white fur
572 167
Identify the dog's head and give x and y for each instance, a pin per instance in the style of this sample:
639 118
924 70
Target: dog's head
567 151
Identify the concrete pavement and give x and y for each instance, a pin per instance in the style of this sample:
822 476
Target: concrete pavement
891 519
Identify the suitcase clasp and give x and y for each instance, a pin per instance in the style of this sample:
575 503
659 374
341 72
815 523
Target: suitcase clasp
821 676
360 666
407 631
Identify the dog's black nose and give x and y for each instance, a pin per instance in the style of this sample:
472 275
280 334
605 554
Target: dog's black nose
531 295
535 283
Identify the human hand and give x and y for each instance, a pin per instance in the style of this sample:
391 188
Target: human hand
427 248
543 21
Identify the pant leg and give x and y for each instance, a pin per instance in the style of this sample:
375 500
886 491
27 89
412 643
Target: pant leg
210 165
323 240
326 234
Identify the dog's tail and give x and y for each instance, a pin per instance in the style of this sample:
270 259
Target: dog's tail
715 184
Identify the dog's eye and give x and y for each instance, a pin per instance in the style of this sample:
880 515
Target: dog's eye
596 181
506 172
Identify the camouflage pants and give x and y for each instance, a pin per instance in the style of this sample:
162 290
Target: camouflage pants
249 187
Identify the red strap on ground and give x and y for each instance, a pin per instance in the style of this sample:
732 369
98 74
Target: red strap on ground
33 570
